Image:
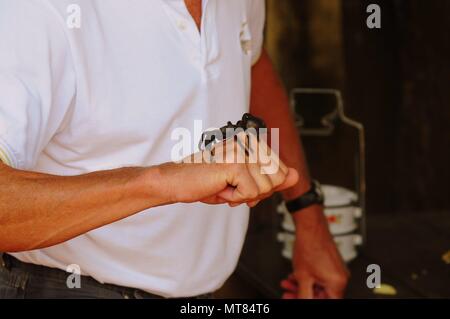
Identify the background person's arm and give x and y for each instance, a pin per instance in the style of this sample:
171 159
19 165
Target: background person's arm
316 259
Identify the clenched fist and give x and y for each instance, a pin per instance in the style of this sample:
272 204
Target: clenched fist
241 170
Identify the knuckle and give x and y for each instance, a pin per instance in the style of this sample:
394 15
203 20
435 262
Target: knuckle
266 188
278 179
252 193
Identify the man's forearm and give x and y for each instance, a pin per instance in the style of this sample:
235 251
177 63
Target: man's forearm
270 102
40 210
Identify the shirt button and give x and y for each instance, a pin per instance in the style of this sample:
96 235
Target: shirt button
182 25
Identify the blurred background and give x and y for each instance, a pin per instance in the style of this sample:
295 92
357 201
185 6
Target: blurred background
395 82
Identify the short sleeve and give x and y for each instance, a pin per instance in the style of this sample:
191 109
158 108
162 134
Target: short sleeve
37 80
257 19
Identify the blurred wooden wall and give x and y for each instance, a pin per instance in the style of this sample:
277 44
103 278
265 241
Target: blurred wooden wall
304 38
395 80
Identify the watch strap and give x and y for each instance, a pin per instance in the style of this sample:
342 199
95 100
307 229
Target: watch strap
312 197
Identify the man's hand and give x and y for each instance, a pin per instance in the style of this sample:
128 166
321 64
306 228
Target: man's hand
224 179
319 271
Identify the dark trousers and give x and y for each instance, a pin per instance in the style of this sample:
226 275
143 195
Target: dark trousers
20 280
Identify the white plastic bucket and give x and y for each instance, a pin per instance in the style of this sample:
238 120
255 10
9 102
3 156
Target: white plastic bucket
347 245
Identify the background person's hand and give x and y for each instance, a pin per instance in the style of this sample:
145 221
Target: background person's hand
224 179
319 271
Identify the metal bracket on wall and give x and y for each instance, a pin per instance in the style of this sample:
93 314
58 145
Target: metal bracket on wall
328 121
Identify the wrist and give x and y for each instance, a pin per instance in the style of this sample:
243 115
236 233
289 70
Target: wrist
310 218
297 190
314 196
151 184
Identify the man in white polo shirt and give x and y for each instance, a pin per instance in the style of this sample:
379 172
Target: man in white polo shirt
90 93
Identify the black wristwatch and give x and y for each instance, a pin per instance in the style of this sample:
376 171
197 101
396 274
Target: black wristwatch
312 197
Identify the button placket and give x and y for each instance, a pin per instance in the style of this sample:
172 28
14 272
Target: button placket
210 41
181 19
202 45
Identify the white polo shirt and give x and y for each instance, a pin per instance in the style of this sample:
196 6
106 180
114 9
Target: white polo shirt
108 95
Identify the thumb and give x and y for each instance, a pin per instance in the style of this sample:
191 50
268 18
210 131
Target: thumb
227 194
306 288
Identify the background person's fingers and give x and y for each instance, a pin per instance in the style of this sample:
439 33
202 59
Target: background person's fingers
319 292
289 286
334 293
288 295
291 277
306 288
